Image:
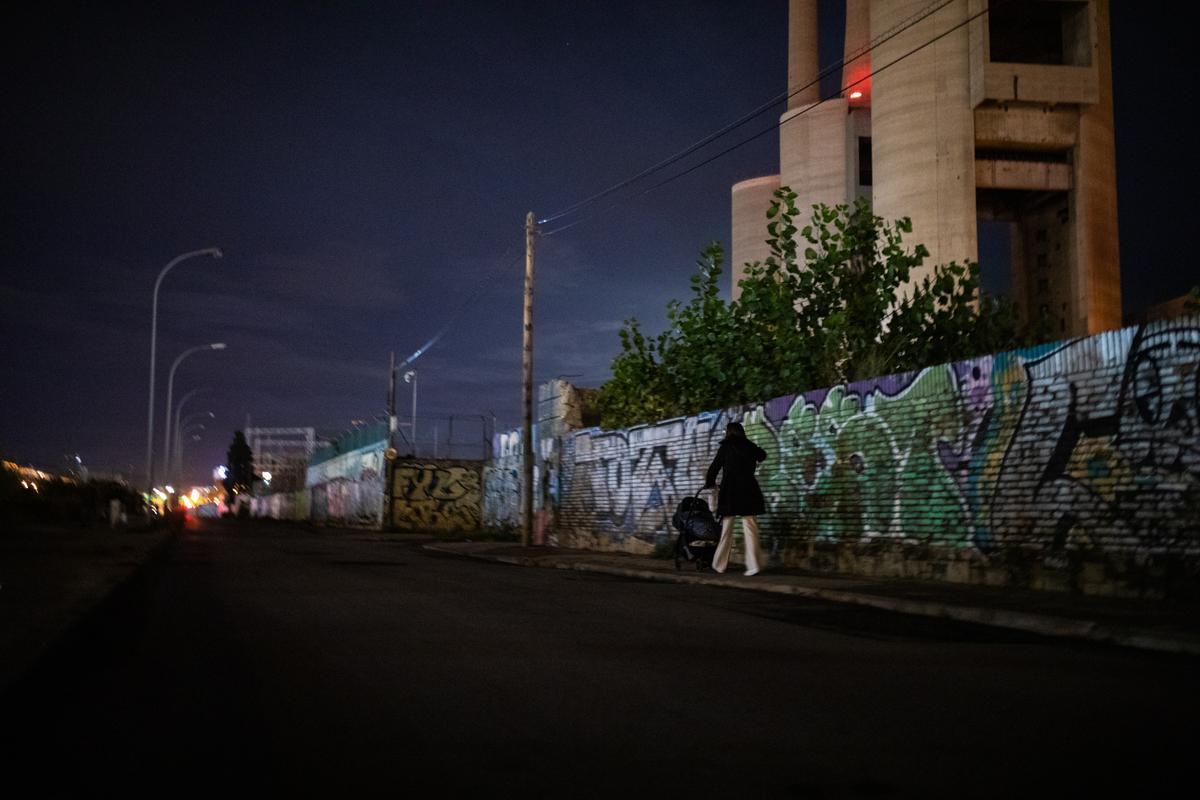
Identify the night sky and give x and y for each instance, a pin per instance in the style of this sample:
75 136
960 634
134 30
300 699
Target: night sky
366 168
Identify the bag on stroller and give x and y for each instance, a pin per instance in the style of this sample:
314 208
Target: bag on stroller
698 532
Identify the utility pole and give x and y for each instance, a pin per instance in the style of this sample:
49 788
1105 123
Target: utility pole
392 402
390 455
527 388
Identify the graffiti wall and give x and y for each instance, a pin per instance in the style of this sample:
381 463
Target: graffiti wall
347 489
437 495
1073 465
502 482
293 506
560 411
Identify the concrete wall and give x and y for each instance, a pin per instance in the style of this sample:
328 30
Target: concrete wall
293 506
751 199
1073 465
502 482
348 489
1094 202
802 53
922 129
437 495
812 155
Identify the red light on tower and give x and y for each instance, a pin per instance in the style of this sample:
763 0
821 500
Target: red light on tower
855 95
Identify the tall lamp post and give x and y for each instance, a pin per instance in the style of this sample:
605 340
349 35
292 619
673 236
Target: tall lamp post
183 402
411 377
170 389
215 252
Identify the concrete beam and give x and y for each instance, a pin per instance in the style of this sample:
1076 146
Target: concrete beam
1026 127
1029 175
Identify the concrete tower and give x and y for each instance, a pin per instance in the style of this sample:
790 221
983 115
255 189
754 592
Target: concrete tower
1000 130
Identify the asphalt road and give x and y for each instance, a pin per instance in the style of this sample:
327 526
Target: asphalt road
262 657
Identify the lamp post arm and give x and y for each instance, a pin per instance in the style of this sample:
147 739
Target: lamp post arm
170 390
179 411
215 252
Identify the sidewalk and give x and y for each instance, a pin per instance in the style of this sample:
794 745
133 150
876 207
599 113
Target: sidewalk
51 575
1148 625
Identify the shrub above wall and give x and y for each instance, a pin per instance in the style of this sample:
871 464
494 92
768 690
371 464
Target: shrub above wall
1071 465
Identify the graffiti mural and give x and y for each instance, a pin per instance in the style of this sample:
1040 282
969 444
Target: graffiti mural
1084 445
874 459
502 496
626 484
439 495
1021 468
1102 458
348 488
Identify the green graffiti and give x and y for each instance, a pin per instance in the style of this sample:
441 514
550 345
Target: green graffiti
858 467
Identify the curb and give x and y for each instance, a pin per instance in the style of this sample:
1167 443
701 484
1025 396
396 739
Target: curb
1041 624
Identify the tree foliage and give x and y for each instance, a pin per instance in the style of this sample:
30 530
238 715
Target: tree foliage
239 468
834 302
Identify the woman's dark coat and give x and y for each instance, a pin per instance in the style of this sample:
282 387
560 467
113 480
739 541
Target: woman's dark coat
739 496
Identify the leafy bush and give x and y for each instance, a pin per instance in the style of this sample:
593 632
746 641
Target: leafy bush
843 309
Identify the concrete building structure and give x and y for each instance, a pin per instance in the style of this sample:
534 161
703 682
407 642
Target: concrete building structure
284 453
978 122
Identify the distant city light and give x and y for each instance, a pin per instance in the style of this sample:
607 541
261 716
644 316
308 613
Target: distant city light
267 477
220 473
195 495
170 489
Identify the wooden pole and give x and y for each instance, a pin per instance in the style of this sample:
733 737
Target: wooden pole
390 461
527 389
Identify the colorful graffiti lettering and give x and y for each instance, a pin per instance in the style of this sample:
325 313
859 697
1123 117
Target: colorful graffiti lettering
436 496
1092 443
627 483
1106 464
502 496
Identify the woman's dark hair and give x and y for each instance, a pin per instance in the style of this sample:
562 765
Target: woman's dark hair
735 429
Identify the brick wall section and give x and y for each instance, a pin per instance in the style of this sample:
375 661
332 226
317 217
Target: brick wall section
1072 466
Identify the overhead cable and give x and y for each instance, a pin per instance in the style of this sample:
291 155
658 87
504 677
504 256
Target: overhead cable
747 117
772 127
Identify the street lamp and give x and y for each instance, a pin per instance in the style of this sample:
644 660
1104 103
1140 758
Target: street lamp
215 252
170 389
183 402
411 377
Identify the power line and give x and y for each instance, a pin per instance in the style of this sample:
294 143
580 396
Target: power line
772 127
896 30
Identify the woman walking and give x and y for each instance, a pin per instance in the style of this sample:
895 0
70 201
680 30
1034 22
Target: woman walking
739 496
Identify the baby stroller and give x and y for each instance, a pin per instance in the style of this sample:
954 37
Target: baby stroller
698 532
